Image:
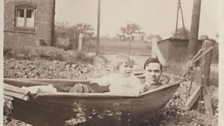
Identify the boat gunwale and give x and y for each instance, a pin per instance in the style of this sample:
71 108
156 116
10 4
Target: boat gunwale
107 95
70 81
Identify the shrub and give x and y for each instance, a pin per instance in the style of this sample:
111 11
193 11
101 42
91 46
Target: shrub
76 56
18 52
45 52
7 51
30 52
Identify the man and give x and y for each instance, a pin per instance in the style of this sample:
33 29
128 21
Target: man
152 73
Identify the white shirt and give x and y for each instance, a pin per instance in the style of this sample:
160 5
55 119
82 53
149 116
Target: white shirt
121 85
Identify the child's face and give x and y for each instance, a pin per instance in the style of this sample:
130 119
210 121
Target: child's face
125 69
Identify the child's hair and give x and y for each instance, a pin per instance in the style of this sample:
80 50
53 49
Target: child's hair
122 59
152 60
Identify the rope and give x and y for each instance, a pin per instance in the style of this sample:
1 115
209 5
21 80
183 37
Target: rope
196 55
203 54
190 63
196 58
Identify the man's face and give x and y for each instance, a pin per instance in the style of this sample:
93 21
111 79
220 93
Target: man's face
152 73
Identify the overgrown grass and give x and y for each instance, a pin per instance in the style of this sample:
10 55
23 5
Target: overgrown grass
45 52
138 48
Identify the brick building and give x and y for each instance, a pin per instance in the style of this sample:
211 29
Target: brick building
29 22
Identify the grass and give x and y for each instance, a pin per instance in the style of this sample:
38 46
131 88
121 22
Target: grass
138 48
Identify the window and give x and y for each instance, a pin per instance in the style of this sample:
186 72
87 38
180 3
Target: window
25 17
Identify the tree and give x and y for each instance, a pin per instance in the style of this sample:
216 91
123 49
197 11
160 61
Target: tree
61 27
130 31
73 32
181 33
152 37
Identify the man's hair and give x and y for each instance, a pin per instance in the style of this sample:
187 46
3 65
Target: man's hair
152 60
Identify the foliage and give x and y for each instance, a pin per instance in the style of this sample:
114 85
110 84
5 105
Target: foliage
181 33
73 32
61 28
130 32
44 52
154 37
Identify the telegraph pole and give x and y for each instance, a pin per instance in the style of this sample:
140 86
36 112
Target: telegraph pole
179 9
98 29
193 36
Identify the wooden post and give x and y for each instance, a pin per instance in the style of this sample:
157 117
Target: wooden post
129 47
193 35
205 71
80 42
193 98
206 61
98 29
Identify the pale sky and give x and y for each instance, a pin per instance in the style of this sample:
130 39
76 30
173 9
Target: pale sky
154 16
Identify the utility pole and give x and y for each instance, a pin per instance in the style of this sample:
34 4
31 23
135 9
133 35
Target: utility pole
179 9
98 29
193 36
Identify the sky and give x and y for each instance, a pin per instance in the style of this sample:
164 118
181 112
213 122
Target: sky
154 16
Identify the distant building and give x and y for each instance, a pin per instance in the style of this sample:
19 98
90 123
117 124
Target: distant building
29 22
175 49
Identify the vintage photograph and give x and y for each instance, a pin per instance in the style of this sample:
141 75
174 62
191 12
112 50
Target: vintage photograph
110 63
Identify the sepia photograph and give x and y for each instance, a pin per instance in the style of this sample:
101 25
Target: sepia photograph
111 62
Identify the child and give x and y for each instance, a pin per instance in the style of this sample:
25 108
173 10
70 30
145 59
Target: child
122 82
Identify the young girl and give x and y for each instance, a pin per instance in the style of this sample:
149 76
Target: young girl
122 82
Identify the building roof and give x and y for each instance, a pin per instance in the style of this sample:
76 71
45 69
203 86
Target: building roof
175 39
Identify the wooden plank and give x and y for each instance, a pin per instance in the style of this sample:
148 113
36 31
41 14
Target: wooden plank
15 92
8 87
61 81
208 105
33 82
193 98
23 82
16 95
8 98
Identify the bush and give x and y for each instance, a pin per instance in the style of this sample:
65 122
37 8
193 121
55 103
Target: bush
7 52
19 52
76 56
45 52
30 52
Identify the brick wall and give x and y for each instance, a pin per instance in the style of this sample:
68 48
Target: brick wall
44 22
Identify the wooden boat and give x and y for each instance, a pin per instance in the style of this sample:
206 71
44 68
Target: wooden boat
62 108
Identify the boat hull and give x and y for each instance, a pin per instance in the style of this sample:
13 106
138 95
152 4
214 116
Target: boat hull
92 109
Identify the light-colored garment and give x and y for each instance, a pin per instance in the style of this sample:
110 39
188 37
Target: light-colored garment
121 85
43 88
